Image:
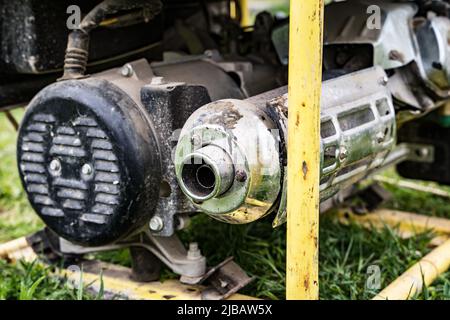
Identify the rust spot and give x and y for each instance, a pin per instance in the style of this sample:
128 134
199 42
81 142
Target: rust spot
168 297
151 291
297 119
303 104
306 282
304 169
227 115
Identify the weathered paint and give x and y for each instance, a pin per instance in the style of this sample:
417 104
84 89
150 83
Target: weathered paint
421 274
116 279
405 223
305 77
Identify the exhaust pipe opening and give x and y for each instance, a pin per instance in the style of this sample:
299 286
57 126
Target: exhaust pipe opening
199 178
207 173
205 177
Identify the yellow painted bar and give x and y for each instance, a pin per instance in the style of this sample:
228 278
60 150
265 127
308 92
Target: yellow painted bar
305 79
245 13
116 279
12 246
422 273
405 223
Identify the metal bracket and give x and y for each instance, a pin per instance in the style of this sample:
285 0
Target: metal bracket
190 264
225 279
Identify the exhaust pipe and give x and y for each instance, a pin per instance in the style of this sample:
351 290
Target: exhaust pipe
231 155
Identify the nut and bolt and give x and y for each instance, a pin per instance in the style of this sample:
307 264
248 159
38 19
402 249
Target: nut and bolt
55 166
127 70
194 252
241 176
156 223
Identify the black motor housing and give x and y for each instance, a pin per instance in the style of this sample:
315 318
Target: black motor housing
94 154
86 154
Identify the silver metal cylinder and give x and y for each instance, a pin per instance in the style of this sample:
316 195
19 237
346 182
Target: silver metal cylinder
246 140
206 173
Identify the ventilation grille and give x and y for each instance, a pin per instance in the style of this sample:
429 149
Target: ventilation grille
90 195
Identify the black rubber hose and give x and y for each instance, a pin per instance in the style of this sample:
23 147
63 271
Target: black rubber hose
77 52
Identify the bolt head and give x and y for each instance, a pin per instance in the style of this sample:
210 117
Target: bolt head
156 223
87 169
127 70
55 166
241 176
384 81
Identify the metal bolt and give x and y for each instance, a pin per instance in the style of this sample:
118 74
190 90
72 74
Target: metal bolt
193 252
384 81
156 223
343 153
127 70
196 140
55 166
86 169
241 176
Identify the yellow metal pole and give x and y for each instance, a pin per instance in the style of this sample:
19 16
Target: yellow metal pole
405 223
422 273
245 13
305 78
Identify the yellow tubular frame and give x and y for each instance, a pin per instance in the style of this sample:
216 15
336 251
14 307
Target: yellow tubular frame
305 80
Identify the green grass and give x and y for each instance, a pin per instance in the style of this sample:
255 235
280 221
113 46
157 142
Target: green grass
16 215
346 252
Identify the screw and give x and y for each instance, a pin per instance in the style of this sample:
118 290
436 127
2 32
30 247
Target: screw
55 166
241 176
127 70
343 153
156 223
86 170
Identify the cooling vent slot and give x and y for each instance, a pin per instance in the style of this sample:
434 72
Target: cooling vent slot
91 197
